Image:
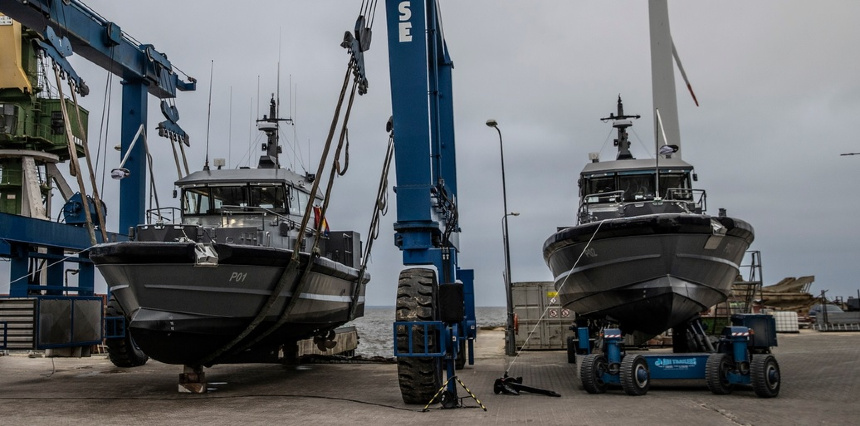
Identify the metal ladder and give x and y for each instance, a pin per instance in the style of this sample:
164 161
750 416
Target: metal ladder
744 291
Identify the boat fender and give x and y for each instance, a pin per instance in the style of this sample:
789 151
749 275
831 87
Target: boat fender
516 323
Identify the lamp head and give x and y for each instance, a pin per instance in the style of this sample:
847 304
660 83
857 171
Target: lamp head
668 149
492 123
119 173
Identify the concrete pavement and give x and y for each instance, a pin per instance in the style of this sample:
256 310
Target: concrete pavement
820 385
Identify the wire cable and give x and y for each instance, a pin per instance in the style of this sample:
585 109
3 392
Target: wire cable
559 289
39 270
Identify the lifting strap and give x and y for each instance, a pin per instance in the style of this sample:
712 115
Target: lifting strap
300 282
176 159
96 197
75 167
293 277
380 208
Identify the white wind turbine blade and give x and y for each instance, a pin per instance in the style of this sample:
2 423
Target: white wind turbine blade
683 74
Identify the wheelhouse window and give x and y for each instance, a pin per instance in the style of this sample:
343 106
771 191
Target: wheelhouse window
210 200
215 199
298 201
637 186
196 201
676 186
269 197
230 196
600 184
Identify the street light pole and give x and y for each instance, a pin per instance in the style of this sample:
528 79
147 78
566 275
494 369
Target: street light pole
510 332
510 340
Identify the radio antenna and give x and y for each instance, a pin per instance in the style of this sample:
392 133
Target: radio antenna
209 114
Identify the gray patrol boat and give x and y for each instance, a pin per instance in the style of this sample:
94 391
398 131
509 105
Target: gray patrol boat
644 255
226 283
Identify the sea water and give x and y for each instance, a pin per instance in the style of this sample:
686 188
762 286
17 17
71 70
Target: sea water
376 335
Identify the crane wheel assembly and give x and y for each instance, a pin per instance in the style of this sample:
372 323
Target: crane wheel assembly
419 377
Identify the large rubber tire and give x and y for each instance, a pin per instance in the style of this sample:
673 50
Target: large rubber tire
635 377
717 373
420 377
123 352
591 373
764 375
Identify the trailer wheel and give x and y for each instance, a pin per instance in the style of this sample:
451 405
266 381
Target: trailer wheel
717 373
764 375
123 352
420 377
635 377
591 373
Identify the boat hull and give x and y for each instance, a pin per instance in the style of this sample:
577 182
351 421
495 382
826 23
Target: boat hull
180 310
647 273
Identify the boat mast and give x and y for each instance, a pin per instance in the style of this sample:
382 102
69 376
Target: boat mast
269 125
621 122
663 76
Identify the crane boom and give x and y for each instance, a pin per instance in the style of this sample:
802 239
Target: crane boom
427 227
425 159
143 69
100 42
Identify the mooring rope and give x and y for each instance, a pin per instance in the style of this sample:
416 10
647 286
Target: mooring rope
559 289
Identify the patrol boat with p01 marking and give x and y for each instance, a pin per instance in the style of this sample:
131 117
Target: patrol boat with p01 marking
644 254
225 284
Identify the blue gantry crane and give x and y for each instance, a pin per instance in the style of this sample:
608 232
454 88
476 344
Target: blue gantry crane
144 70
63 28
435 319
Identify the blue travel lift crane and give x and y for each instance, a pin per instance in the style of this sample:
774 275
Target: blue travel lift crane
65 27
435 319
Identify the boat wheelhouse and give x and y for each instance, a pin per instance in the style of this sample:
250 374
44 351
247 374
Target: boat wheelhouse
624 188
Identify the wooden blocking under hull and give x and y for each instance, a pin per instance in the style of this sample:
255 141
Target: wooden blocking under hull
192 380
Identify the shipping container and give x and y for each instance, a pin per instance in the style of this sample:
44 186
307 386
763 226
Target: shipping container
541 322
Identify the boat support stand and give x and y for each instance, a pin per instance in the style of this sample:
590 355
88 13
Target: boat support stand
192 379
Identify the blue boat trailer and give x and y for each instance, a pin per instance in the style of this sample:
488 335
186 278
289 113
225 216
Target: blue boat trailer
741 357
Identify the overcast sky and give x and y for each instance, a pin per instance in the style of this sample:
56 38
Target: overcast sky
777 82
